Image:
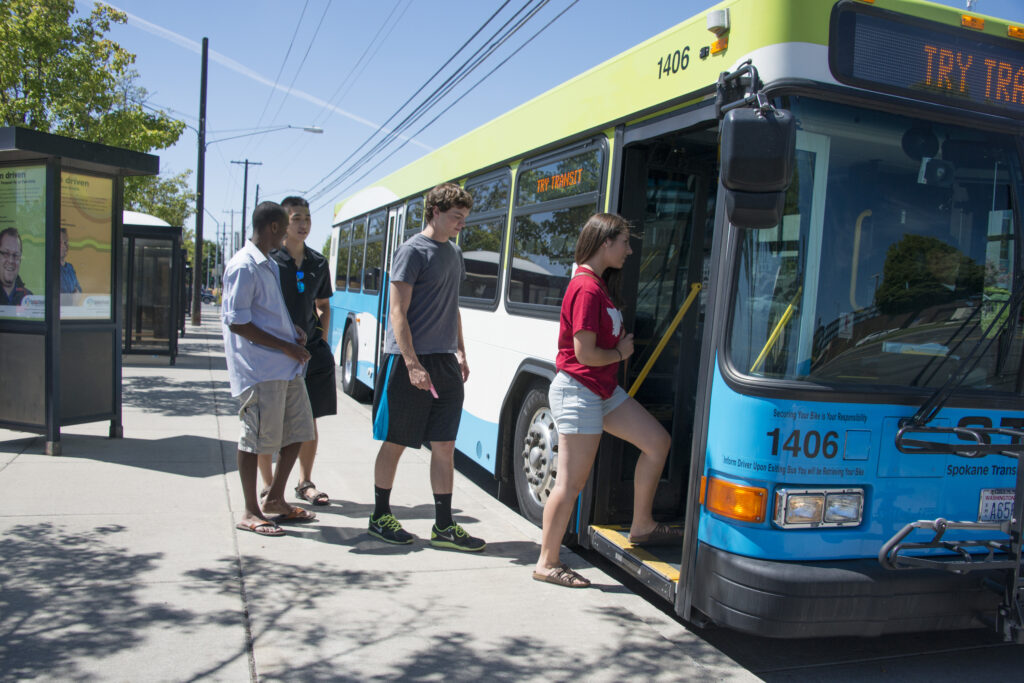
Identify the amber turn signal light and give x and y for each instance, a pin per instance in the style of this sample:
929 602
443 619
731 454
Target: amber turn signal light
736 501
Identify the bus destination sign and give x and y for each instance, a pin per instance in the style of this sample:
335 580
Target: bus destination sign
925 60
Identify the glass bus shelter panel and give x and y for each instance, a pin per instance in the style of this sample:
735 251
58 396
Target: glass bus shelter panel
917 234
544 245
151 312
481 251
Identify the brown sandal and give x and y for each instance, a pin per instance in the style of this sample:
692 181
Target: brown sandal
662 534
562 576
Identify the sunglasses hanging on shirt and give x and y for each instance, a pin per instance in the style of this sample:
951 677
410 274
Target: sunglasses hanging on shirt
299 275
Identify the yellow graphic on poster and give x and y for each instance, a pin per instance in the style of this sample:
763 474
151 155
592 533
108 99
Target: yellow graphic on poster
22 241
86 227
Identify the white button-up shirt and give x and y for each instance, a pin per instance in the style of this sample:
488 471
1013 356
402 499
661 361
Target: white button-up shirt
252 294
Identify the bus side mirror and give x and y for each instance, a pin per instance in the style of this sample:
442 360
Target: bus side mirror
758 155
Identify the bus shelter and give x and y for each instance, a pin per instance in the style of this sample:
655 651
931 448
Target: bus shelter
153 282
60 270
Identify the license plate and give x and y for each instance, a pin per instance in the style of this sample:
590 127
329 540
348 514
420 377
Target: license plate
996 505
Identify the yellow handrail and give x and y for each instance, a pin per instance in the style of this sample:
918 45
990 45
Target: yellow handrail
694 290
777 331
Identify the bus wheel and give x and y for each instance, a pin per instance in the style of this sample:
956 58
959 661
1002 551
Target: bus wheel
535 453
349 364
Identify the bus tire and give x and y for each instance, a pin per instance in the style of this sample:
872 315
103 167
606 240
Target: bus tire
534 453
350 364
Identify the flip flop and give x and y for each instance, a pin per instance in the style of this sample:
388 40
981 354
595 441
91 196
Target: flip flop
261 528
294 516
562 576
319 499
662 534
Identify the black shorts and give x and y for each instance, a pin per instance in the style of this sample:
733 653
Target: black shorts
320 381
411 417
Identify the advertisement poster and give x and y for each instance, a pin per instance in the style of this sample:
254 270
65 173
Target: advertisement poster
22 242
86 227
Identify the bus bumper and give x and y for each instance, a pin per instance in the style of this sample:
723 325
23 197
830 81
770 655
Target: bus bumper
839 598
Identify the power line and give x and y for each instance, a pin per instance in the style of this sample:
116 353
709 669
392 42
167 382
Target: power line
284 61
418 91
302 63
457 100
497 39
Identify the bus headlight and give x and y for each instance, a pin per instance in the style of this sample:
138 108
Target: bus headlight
807 508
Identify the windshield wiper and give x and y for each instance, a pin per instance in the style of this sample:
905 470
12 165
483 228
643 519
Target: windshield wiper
1007 315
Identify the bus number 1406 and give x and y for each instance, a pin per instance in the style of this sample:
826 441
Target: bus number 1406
674 62
810 445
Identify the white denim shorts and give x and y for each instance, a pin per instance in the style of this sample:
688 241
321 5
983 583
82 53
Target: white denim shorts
577 409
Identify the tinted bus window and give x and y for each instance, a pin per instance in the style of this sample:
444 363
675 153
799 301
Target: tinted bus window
481 251
341 266
374 253
490 195
543 247
413 217
355 264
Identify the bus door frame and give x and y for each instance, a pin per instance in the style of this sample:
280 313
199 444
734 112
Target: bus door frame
394 230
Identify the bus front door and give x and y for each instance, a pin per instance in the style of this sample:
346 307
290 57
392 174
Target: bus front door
668 193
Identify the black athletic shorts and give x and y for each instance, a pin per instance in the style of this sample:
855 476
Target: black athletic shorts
320 382
411 417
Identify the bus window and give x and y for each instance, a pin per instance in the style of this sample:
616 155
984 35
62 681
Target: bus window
355 264
918 261
374 253
482 237
554 198
413 217
341 270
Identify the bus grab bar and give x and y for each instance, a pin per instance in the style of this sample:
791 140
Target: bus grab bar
694 290
774 337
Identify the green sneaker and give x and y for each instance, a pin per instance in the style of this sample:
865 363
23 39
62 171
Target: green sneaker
387 529
456 538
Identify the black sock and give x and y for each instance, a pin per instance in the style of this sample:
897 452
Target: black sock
381 502
443 510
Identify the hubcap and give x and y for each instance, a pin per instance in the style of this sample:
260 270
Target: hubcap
539 457
347 371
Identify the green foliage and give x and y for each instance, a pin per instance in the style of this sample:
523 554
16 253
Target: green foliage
166 198
326 249
59 74
923 271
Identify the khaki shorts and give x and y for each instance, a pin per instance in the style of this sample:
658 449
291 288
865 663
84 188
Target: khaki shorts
274 414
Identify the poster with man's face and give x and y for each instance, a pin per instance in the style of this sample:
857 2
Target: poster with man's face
22 242
86 227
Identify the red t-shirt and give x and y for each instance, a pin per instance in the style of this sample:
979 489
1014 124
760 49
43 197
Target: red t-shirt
587 306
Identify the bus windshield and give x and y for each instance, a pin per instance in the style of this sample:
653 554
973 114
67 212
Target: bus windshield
894 256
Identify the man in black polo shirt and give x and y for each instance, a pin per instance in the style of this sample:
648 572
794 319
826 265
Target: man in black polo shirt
306 285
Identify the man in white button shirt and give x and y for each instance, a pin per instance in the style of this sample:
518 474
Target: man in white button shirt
266 356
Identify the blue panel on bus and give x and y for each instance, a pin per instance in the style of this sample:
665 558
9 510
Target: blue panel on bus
478 440
773 443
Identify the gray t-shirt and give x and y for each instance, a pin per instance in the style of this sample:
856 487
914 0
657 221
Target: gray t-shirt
435 270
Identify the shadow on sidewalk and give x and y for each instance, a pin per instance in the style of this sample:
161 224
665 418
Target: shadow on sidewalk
178 398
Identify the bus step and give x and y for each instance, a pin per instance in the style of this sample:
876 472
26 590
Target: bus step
656 568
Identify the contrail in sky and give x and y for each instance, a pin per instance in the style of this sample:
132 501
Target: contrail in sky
193 46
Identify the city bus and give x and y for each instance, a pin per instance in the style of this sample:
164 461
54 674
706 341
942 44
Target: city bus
836 352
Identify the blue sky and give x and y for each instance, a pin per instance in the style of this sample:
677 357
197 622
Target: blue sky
259 77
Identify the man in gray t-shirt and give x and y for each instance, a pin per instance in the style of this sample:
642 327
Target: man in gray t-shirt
419 390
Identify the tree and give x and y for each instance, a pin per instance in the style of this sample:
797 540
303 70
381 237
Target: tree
166 198
326 250
58 74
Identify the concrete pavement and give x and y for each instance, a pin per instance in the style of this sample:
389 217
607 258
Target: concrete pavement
119 560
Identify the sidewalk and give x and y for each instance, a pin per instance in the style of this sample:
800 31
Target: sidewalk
119 560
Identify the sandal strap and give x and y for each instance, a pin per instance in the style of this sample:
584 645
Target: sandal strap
304 486
566 573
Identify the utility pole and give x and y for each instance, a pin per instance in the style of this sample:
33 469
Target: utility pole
231 239
245 189
197 257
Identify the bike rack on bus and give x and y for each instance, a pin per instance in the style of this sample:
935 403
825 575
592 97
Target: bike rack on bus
1002 553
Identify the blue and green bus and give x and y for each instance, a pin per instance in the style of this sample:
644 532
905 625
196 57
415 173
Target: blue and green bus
786 337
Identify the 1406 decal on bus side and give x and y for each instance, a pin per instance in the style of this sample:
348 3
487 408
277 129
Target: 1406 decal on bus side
810 443
674 62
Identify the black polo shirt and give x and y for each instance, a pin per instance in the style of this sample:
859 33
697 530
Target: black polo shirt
317 279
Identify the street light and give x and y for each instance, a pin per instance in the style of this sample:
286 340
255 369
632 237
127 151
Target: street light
201 178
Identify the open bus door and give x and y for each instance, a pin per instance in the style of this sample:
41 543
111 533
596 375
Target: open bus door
668 189
394 237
